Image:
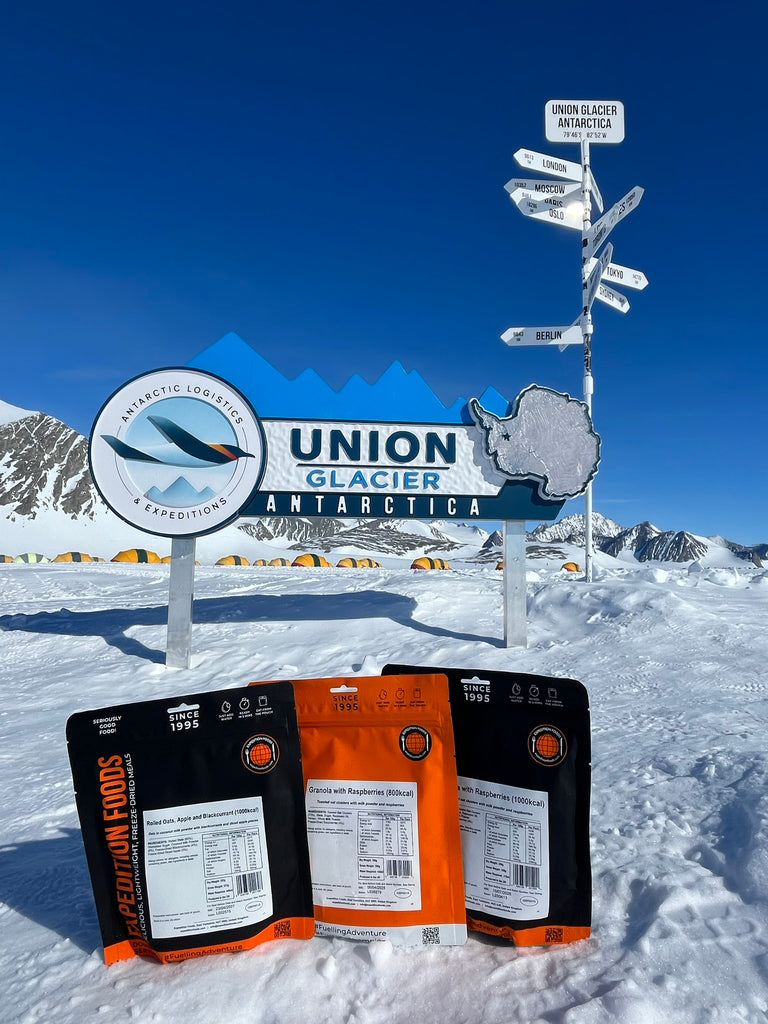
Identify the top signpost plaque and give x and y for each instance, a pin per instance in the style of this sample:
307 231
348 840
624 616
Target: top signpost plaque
584 121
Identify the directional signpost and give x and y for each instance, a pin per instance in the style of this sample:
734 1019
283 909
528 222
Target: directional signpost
568 201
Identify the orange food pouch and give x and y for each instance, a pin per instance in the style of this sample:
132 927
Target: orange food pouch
382 808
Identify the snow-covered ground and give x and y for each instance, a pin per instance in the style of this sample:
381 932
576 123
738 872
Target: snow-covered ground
675 662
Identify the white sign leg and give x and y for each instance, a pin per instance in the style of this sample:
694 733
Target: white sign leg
515 609
181 593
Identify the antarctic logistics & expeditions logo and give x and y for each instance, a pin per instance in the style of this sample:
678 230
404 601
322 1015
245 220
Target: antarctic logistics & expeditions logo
177 452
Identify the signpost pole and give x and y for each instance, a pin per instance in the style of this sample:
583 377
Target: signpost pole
181 593
515 609
586 330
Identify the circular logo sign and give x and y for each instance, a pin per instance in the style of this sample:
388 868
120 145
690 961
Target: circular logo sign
547 745
415 742
177 452
260 754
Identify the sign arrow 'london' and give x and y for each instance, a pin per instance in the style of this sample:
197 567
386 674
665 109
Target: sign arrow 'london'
553 165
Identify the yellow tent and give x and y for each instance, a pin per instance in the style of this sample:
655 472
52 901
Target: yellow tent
571 566
310 559
358 563
500 565
259 561
429 563
279 561
136 555
233 560
6 558
74 556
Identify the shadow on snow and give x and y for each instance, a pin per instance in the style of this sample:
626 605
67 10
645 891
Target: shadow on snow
112 624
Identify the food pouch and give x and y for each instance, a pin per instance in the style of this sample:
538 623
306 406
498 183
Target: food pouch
523 759
192 815
382 809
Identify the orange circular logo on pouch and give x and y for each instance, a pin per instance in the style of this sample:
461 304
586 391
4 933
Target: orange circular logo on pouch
415 742
547 745
260 754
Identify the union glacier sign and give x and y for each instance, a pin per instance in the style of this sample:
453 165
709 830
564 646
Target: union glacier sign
183 451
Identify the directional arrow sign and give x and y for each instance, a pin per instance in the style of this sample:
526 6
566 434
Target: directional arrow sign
568 335
615 272
556 210
548 164
593 281
612 298
539 187
597 195
625 276
601 229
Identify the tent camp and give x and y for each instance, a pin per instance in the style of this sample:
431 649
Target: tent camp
312 560
233 560
429 563
31 557
137 555
358 563
279 561
74 556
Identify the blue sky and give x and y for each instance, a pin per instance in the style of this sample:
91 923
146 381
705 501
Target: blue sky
326 180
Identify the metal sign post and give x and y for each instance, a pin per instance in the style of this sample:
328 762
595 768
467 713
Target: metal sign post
515 609
585 122
180 597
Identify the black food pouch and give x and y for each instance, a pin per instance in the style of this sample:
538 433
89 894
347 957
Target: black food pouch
523 757
193 821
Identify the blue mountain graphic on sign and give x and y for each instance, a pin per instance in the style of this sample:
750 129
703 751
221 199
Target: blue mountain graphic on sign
399 395
181 494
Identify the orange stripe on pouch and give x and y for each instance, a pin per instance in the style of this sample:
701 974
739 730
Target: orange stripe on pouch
300 928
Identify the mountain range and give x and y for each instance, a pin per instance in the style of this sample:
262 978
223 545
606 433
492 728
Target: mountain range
48 499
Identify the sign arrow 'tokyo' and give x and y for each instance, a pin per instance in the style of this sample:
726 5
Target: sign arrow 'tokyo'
625 276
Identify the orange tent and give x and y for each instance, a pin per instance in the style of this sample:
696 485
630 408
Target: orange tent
312 560
429 563
358 563
74 556
279 561
136 555
233 560
571 566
